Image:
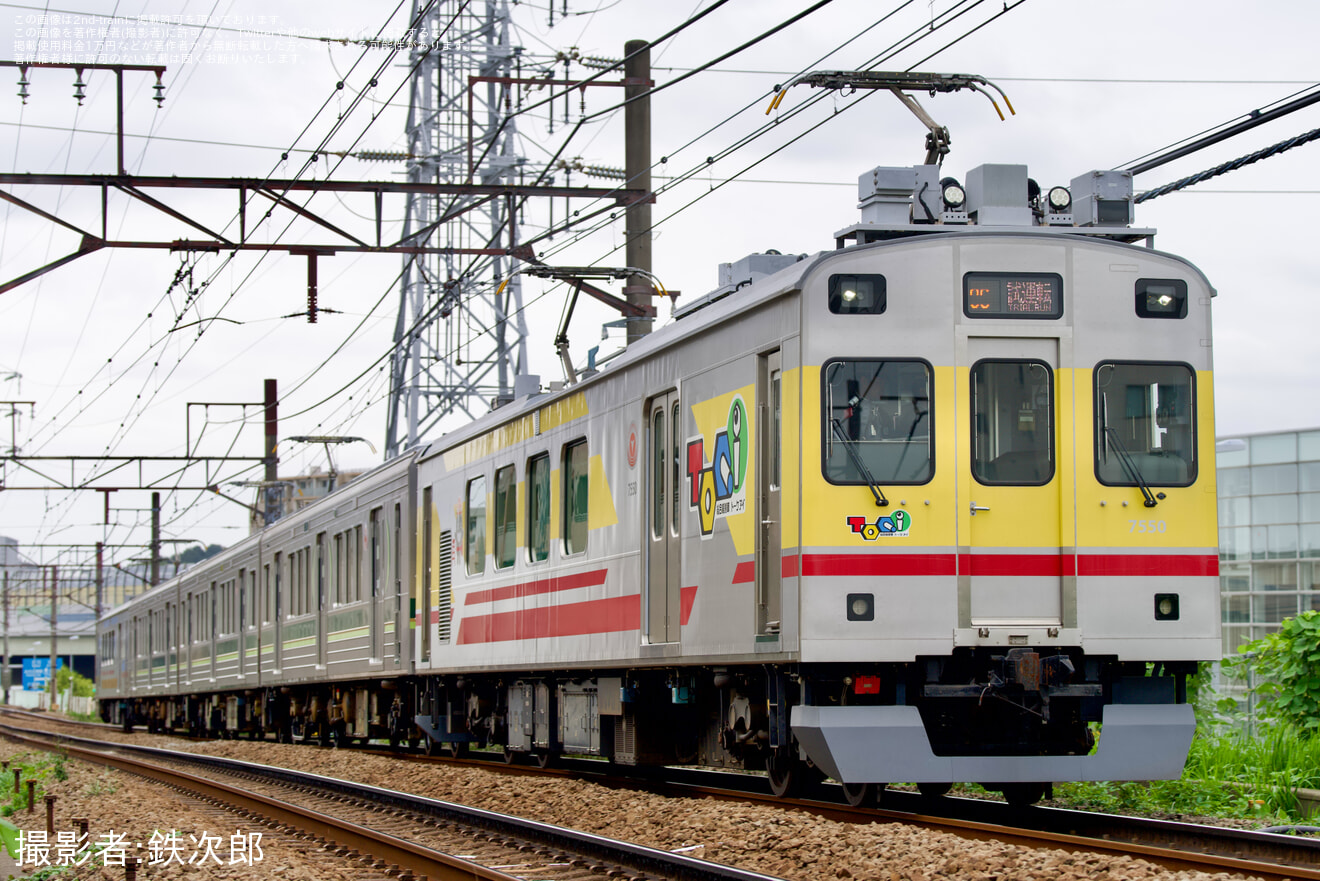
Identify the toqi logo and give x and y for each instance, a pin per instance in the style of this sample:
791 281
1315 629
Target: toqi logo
896 525
718 488
632 446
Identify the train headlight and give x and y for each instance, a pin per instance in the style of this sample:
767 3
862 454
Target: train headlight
1161 298
953 194
1060 199
861 607
1166 607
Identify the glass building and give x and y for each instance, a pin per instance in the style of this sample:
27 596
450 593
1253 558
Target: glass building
1269 531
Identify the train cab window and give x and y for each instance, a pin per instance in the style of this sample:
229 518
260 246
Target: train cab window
506 517
538 508
1012 422
857 294
576 466
475 533
1161 298
878 422
1145 424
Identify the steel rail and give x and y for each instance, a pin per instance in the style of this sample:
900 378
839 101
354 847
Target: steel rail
1265 855
645 860
380 845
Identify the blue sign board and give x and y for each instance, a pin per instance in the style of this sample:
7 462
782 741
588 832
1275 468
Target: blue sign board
36 673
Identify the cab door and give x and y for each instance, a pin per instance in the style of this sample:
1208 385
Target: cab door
663 566
1013 555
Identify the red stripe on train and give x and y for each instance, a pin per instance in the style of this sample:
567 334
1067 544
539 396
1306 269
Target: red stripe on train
1020 565
611 615
1043 565
537 587
878 564
1148 564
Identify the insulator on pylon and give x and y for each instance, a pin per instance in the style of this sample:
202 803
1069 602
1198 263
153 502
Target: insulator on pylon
382 156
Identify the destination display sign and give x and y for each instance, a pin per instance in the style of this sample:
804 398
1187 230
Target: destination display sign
1012 295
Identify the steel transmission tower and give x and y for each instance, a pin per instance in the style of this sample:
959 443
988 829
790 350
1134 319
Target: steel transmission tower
460 339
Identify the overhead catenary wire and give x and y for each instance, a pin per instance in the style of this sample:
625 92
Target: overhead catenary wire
722 183
761 129
1231 165
901 44
909 40
252 231
1243 121
800 109
126 425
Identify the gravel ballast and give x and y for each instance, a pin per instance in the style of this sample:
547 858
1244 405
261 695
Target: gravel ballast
777 841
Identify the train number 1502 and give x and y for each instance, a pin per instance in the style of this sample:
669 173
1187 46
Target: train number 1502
1146 526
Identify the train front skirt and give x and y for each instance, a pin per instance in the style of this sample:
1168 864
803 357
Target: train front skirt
888 744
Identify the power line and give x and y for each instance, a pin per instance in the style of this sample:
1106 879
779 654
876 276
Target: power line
1241 122
131 419
1232 165
907 42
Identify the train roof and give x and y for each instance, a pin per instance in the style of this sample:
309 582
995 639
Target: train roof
900 206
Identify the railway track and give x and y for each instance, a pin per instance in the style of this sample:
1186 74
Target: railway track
1171 844
411 835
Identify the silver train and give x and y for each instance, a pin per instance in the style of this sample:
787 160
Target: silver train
933 506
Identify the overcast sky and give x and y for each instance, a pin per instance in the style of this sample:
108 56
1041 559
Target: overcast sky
1095 85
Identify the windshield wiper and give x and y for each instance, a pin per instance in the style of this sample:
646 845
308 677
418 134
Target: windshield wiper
880 500
1131 468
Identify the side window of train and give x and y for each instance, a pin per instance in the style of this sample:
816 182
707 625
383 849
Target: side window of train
575 497
877 421
1012 422
1145 424
1161 298
857 294
538 507
506 516
475 531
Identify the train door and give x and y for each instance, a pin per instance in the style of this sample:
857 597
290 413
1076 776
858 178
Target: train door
373 528
768 563
277 625
664 438
320 599
244 612
211 623
1011 563
422 614
396 561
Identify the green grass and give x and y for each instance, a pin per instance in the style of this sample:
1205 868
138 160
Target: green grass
1228 774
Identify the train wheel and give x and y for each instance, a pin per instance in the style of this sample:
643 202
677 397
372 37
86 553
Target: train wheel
785 774
541 758
341 738
457 750
433 747
861 795
1021 795
934 790
510 756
